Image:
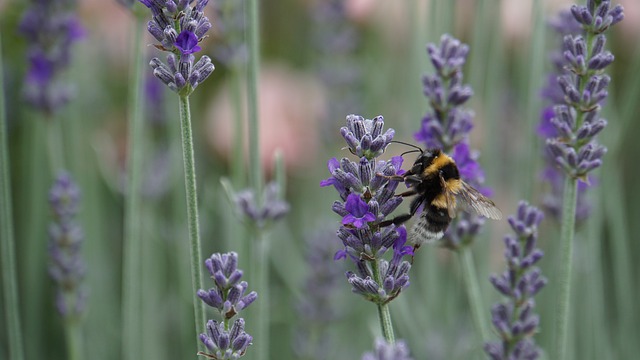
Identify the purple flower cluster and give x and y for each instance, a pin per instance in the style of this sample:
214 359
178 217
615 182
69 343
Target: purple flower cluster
67 268
576 90
367 198
386 351
262 211
447 125
51 29
229 30
228 297
514 319
179 28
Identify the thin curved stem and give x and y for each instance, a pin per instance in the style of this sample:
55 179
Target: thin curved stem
192 212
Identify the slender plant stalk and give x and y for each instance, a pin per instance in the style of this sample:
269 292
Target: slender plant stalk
54 140
131 274
566 263
473 292
261 273
9 280
383 309
253 40
73 337
192 212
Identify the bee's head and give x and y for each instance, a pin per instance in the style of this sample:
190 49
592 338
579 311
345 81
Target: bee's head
425 159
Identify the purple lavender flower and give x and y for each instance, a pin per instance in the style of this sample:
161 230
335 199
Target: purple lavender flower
385 351
447 125
358 212
51 29
229 30
576 120
228 297
178 27
67 268
514 320
225 344
270 208
367 199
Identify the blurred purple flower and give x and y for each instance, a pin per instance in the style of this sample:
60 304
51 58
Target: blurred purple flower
385 351
67 268
51 29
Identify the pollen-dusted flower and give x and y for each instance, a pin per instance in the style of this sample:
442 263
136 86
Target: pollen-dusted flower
179 27
385 351
67 268
228 297
51 29
514 319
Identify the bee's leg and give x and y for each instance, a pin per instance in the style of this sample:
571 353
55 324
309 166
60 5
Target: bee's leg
415 204
392 177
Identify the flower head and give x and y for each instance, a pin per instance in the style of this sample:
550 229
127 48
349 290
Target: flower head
367 198
67 268
51 29
178 27
228 297
514 318
263 210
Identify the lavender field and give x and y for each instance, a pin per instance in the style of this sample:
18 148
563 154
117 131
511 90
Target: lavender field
319 179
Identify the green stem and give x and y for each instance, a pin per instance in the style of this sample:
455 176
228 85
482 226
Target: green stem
54 140
261 261
192 212
383 309
9 282
566 264
131 274
73 337
253 40
473 292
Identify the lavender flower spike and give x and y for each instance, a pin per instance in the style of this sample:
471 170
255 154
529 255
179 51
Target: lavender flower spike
179 27
51 29
386 351
514 320
228 297
67 268
261 212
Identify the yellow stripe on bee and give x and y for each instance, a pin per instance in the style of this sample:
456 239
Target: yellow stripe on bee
454 185
438 163
440 202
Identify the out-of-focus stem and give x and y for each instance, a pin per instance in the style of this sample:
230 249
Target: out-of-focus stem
473 293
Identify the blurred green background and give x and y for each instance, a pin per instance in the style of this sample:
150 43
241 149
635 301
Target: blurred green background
301 113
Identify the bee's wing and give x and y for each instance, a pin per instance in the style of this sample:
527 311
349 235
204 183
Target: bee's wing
478 202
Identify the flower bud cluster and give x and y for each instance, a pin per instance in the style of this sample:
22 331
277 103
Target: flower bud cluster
67 268
385 351
270 208
228 297
179 27
229 29
367 198
576 120
514 319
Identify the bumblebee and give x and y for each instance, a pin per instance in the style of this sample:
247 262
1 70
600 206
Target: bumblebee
435 181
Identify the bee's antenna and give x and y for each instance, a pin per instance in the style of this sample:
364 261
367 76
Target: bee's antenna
418 148
410 151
